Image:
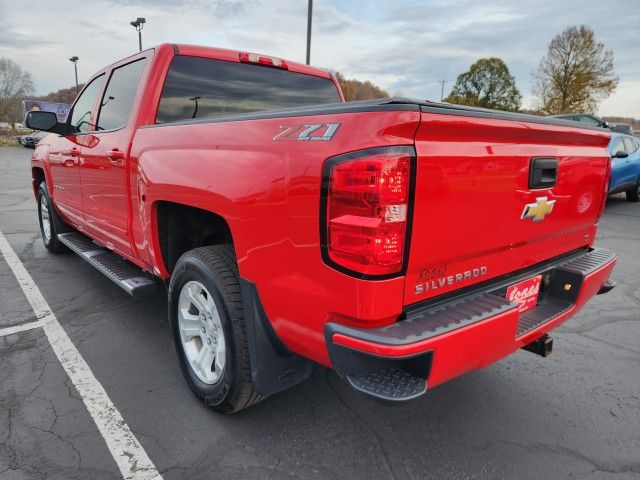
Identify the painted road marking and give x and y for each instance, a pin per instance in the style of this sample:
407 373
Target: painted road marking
131 458
20 328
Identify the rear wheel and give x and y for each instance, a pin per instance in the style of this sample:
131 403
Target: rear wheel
50 223
633 195
207 322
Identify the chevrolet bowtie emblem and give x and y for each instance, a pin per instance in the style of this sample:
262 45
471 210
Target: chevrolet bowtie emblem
538 210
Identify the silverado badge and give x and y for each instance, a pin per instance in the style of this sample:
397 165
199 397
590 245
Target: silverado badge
539 210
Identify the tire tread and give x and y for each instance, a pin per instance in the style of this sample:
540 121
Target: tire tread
57 226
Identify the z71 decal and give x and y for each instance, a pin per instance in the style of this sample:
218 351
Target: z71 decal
309 131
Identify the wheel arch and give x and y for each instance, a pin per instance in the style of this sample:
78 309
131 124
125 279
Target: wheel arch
179 228
40 169
38 176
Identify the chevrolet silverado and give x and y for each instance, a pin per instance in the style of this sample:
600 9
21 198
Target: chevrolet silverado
400 242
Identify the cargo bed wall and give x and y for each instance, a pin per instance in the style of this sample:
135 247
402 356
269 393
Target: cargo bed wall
472 192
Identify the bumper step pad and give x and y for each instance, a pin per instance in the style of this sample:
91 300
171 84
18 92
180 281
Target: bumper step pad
390 384
124 274
559 300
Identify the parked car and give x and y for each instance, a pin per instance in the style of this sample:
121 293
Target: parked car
622 128
584 118
625 166
30 141
292 228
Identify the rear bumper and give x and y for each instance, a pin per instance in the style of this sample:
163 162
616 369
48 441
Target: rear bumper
438 341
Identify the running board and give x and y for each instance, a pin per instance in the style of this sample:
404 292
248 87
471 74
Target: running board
123 273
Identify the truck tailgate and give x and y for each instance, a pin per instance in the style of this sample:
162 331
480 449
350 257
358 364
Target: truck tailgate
476 214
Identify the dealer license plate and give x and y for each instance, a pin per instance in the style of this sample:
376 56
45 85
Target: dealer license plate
525 293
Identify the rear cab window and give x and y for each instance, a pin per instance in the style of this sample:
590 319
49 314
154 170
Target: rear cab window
198 87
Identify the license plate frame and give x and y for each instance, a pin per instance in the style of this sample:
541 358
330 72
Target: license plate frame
525 293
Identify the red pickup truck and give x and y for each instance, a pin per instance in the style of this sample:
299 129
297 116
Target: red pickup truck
400 242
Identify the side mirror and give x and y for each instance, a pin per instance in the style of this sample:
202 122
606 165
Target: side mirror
620 154
605 124
45 121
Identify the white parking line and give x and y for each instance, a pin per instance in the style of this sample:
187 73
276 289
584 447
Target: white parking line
131 458
20 328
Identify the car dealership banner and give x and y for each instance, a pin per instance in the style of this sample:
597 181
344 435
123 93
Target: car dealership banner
60 109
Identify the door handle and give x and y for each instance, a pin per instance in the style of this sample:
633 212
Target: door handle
115 154
115 157
543 172
71 162
74 152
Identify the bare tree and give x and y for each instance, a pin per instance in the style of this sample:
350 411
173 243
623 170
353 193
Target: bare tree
575 74
15 84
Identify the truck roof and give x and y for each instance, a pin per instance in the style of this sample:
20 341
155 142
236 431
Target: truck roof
221 54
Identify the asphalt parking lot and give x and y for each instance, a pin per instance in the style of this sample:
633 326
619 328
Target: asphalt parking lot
575 414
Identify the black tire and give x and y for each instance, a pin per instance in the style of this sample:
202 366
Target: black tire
56 225
633 195
216 269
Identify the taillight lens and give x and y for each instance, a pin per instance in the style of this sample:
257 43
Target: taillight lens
367 203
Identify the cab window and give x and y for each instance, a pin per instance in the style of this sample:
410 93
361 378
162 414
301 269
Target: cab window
198 88
82 110
119 96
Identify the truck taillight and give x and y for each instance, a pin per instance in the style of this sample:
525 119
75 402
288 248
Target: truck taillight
366 210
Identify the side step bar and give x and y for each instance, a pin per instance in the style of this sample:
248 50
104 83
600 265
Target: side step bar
124 274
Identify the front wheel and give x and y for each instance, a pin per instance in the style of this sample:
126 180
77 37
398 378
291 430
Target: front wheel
633 195
49 221
207 322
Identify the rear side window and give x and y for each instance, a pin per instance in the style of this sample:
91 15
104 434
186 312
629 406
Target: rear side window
203 88
629 145
618 146
118 98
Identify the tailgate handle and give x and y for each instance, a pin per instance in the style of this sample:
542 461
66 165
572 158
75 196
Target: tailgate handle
543 172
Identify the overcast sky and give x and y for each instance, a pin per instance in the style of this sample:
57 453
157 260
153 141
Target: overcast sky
403 46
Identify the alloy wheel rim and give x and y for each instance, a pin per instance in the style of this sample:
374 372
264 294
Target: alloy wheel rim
201 332
45 219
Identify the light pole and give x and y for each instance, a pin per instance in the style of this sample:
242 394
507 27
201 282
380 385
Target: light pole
309 16
442 82
74 60
138 23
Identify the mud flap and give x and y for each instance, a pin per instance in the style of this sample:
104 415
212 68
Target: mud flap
273 367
